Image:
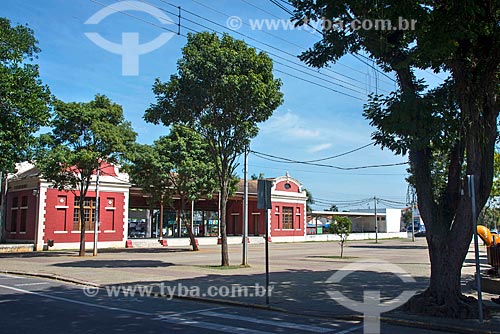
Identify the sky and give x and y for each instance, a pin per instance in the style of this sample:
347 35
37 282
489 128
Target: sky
322 111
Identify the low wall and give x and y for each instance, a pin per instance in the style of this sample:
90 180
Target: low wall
16 248
354 236
203 241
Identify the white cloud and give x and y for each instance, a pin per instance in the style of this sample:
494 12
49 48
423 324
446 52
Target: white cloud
290 125
320 147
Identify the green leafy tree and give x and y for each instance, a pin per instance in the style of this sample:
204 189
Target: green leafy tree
257 177
83 136
310 200
341 227
333 208
223 89
192 172
24 100
151 171
406 216
448 132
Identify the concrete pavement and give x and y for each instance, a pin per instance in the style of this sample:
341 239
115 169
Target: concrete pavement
303 275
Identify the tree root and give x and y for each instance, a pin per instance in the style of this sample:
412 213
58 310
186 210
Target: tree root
456 306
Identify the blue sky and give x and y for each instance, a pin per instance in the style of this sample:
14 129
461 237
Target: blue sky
313 122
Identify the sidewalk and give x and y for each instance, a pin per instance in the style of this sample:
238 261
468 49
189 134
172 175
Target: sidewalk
298 275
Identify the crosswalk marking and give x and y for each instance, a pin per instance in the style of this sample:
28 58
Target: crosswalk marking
283 324
179 319
209 325
33 283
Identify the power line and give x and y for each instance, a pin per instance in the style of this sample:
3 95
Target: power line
256 40
136 17
291 13
266 51
281 159
342 154
195 31
320 85
287 41
328 173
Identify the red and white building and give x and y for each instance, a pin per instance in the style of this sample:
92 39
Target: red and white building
40 214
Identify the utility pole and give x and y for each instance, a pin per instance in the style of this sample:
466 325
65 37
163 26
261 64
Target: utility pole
376 220
244 261
412 224
472 194
97 207
160 225
411 201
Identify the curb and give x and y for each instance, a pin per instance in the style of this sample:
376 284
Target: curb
50 276
348 317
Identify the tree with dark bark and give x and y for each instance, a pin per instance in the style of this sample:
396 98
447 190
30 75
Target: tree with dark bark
84 136
223 89
448 132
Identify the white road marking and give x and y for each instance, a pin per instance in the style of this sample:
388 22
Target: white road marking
75 301
7 276
174 320
209 325
198 311
193 323
349 330
276 323
34 283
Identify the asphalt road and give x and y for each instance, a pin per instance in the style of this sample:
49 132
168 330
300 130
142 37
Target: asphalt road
34 305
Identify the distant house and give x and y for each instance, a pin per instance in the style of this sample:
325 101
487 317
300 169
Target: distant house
363 220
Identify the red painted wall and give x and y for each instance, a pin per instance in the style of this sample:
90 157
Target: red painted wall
60 213
280 186
276 220
15 232
236 207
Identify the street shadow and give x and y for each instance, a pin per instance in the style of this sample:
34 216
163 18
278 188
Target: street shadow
40 254
74 253
382 246
114 264
144 250
301 291
60 311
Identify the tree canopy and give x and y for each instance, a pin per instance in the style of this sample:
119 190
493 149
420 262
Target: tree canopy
341 226
24 99
223 89
83 136
175 164
448 131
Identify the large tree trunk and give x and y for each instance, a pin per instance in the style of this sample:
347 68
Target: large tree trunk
82 226
449 220
447 252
